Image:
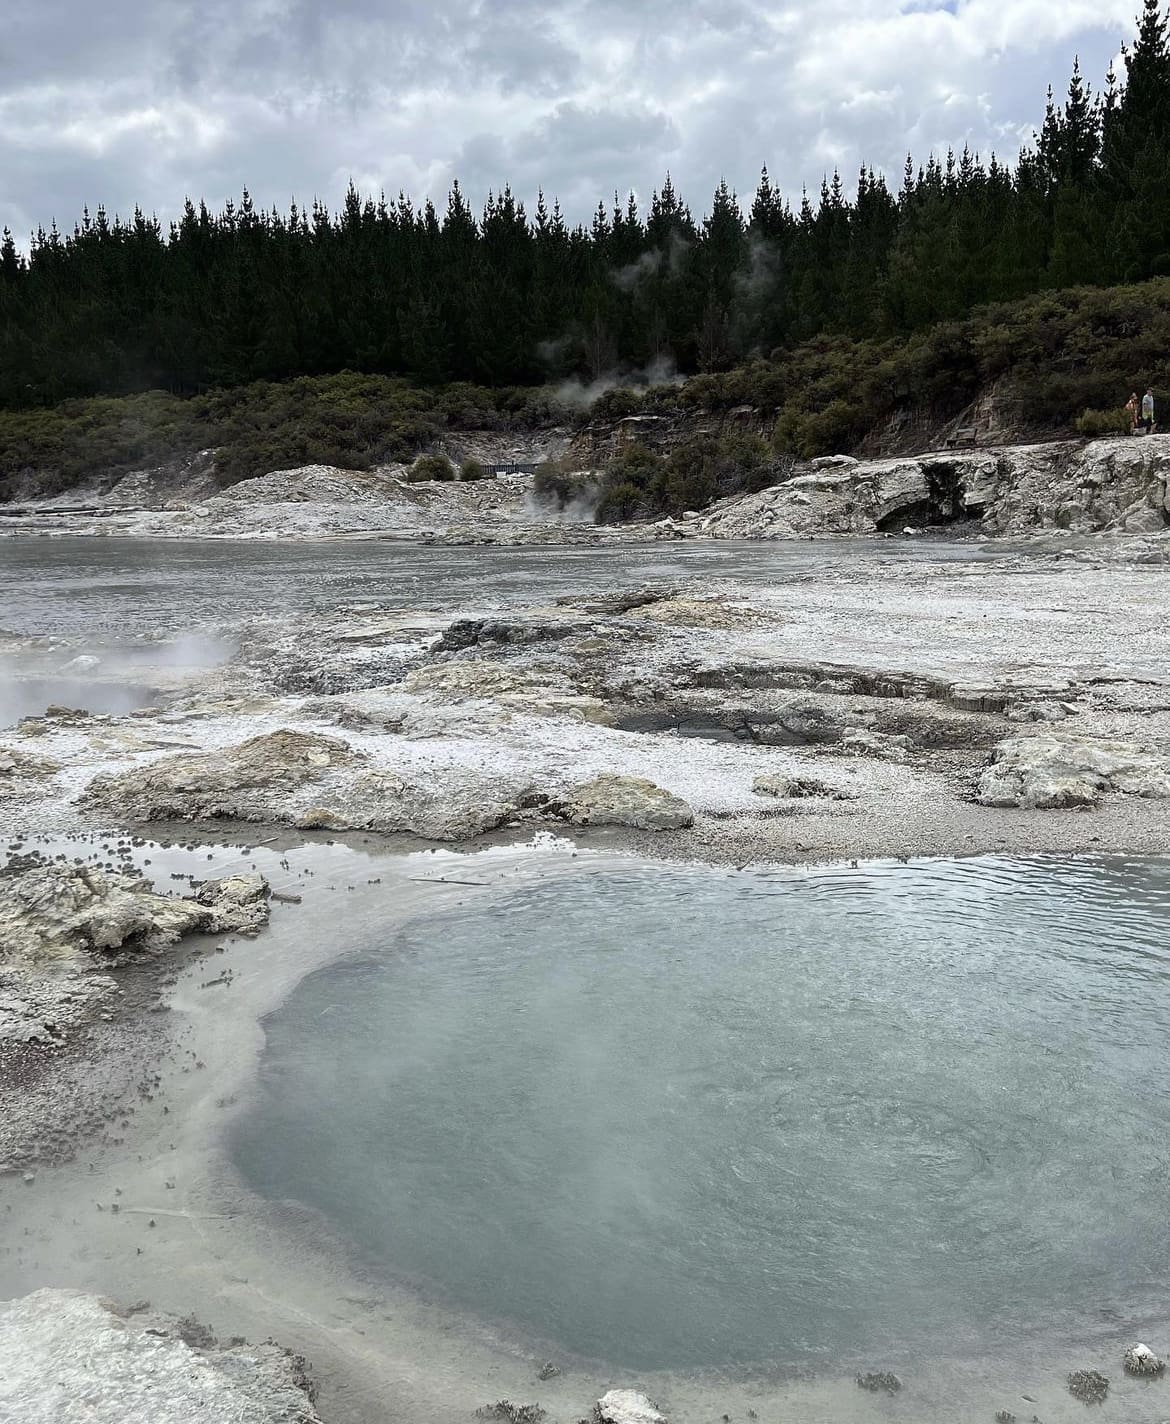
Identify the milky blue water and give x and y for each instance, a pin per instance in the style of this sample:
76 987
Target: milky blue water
692 1118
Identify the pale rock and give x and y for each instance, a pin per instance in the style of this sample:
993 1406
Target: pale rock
834 462
71 1358
313 782
862 742
19 766
59 909
241 782
1107 484
631 801
1037 712
627 1406
1143 520
1049 771
1141 1360
238 903
542 691
322 818
695 613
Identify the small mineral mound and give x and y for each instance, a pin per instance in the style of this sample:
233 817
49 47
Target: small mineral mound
1089 1386
1141 1360
626 1406
785 787
510 1413
877 1380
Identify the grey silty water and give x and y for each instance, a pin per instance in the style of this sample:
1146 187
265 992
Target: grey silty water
106 588
684 1118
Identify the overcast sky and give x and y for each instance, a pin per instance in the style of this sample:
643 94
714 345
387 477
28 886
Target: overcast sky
146 101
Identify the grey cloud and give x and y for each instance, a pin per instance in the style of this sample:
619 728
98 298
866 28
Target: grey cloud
148 100
522 59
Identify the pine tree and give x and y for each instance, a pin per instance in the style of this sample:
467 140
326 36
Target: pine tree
1138 164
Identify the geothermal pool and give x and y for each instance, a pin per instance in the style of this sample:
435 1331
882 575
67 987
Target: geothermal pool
686 1118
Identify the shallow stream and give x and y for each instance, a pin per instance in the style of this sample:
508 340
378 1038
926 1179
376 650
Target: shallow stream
691 1119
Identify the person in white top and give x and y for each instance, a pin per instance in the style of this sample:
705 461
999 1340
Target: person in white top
1148 411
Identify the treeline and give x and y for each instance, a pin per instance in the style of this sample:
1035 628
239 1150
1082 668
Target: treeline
1052 364
389 288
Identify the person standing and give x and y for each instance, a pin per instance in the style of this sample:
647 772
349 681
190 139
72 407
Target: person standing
1148 411
1133 409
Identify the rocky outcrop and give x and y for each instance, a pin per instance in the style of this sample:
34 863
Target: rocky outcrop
627 1406
1117 484
23 775
310 781
230 784
71 1357
316 782
56 910
1052 771
454 804
853 498
1108 484
860 741
626 801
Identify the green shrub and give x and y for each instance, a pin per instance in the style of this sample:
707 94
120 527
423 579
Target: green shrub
559 483
472 470
351 420
1094 423
620 502
638 482
634 464
430 467
616 404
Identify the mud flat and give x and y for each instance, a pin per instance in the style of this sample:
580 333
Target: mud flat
895 707
899 708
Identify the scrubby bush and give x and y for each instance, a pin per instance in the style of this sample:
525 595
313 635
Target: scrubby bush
616 404
1094 423
1053 356
430 467
559 483
637 481
351 420
472 470
620 502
